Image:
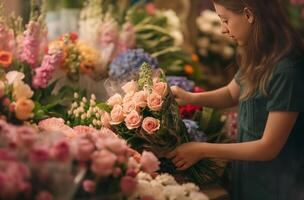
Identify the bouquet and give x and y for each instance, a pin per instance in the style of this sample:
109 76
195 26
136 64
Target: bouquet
147 117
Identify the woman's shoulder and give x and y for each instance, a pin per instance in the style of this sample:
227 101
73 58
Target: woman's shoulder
290 63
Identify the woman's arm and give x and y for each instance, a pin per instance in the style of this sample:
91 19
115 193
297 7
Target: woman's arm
277 130
224 97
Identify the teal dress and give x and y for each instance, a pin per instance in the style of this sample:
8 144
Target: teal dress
283 177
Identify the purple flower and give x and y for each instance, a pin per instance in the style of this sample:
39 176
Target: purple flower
126 65
181 82
194 132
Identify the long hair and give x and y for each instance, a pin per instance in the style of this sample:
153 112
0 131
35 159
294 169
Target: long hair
272 38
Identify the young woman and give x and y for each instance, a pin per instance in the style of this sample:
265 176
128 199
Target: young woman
269 90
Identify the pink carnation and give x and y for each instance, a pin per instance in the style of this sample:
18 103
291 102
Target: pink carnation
103 163
128 185
39 155
89 186
149 162
85 149
60 150
44 195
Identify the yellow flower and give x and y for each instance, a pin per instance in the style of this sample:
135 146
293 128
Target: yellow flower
21 91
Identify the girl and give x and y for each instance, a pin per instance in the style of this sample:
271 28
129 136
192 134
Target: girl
269 90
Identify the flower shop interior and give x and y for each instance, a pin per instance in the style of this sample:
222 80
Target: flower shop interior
87 109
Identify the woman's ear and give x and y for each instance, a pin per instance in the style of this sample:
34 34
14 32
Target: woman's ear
249 15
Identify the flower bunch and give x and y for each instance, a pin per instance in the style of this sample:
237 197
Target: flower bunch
147 117
31 164
87 112
78 57
15 96
165 186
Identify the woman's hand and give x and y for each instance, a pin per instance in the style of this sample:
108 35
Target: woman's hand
182 97
186 155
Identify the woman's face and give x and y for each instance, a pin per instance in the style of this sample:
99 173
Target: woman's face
236 25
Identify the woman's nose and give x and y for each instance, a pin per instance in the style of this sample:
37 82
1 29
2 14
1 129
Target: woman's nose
224 29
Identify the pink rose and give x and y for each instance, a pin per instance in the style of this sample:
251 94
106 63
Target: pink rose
39 155
105 120
160 88
114 100
149 162
140 98
117 115
128 97
133 120
89 186
103 162
128 185
155 101
44 195
60 150
150 125
129 107
130 87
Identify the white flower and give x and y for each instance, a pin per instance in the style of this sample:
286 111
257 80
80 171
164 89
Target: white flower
84 100
143 176
76 95
13 76
166 179
174 192
190 187
93 97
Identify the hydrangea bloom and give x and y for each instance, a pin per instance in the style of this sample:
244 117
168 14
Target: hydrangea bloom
127 64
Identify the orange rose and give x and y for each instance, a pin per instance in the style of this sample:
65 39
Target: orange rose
24 108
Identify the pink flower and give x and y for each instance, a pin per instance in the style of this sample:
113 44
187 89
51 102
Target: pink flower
56 125
108 33
24 109
6 38
117 115
26 136
155 101
129 106
44 195
89 186
39 155
103 163
150 8
105 120
130 87
149 162
150 125
133 120
140 98
85 149
13 76
117 172
31 44
127 38
116 99
128 185
115 145
60 150
50 61
160 88
84 130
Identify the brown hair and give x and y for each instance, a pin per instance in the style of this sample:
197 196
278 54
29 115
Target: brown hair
272 38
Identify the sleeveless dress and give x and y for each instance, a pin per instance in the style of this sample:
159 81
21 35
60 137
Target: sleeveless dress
283 177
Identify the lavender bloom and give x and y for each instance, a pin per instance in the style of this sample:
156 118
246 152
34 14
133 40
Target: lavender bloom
181 82
194 132
126 66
